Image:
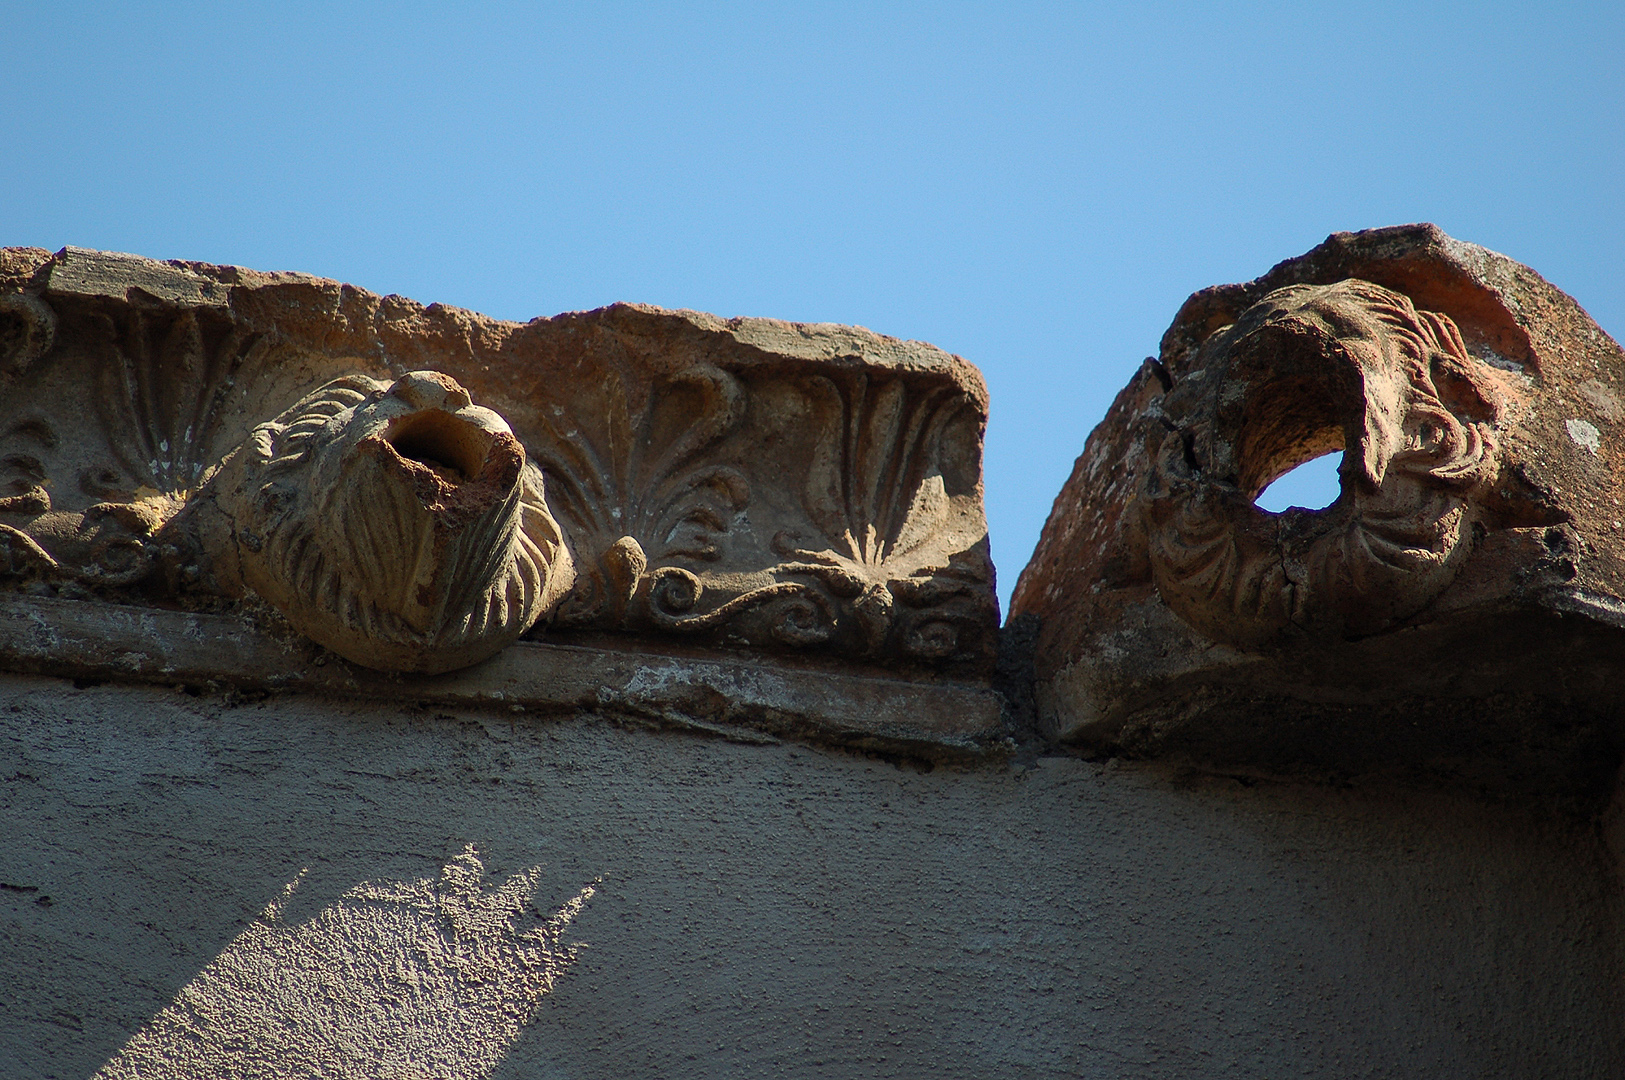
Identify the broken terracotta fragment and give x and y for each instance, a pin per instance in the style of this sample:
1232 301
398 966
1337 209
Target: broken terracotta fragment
1461 600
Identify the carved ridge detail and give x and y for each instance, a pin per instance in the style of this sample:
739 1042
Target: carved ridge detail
27 329
1350 366
675 592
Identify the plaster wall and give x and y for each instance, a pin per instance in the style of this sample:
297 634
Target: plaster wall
201 888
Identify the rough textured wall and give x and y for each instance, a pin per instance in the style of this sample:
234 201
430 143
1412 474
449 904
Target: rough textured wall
660 904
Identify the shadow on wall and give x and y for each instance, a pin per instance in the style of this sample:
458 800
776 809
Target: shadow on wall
432 977
765 909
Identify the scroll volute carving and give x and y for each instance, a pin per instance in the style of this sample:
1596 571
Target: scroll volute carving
400 525
1312 369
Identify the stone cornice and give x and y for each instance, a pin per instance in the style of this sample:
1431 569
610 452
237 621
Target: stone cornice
418 487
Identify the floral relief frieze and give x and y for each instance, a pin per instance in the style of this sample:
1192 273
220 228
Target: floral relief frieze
414 487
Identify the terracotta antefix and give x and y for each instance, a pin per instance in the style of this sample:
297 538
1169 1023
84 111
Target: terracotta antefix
398 524
1464 592
416 487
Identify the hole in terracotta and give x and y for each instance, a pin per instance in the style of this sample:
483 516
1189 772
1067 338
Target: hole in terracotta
1311 486
455 450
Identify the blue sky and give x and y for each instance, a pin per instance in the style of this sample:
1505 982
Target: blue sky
1036 187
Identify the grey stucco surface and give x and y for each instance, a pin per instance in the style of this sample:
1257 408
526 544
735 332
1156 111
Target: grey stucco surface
765 910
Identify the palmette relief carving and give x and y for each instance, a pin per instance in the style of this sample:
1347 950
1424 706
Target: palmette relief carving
107 544
1310 369
187 434
889 561
167 387
399 525
637 479
631 478
892 561
875 556
107 438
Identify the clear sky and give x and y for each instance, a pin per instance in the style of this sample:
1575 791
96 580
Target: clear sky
1036 187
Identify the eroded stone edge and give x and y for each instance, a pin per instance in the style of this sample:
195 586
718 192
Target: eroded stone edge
723 695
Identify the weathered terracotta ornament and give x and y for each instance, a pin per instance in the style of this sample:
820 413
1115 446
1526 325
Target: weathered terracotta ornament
185 434
1458 606
399 525
1309 369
